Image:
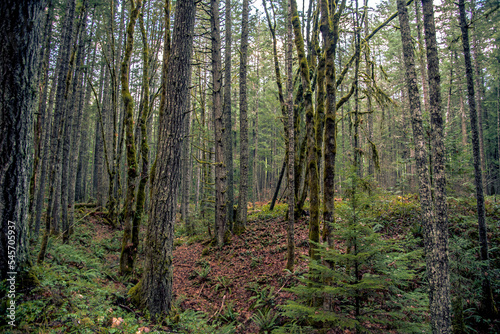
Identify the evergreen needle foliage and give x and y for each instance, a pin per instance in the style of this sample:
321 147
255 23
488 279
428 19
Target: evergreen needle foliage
368 278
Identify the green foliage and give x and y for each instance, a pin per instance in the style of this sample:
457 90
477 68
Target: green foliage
201 274
293 328
369 281
264 297
264 213
223 284
228 314
266 319
465 268
195 322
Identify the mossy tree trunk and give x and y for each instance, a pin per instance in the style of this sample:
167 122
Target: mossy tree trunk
330 32
283 104
145 111
420 153
488 304
220 167
43 144
58 127
290 140
439 297
154 291
311 129
228 118
241 222
129 249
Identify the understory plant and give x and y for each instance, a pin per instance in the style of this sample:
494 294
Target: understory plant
368 280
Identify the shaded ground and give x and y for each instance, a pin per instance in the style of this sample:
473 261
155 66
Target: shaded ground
254 260
78 289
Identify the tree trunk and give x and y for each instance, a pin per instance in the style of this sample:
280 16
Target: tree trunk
143 116
330 35
37 182
290 258
243 193
129 249
57 127
45 112
227 119
421 57
488 304
20 23
439 297
256 139
310 133
220 168
72 126
186 178
421 160
155 289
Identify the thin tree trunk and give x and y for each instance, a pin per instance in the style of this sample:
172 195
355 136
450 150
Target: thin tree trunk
488 304
37 182
243 193
129 249
421 57
45 111
256 140
141 192
57 128
220 168
72 126
278 185
227 118
290 258
312 165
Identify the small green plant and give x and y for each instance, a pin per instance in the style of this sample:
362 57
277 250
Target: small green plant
229 314
223 283
368 282
266 319
264 297
255 261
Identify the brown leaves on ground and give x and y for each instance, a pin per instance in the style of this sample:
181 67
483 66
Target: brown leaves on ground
255 258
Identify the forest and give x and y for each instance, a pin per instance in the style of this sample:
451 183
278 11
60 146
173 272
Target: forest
266 166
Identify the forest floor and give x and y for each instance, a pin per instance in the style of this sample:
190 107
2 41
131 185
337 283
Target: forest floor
237 289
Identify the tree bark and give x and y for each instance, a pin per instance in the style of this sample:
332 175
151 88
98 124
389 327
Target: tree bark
439 297
243 193
421 159
312 165
129 249
20 23
155 289
488 304
43 118
290 258
57 128
220 167
44 144
228 118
